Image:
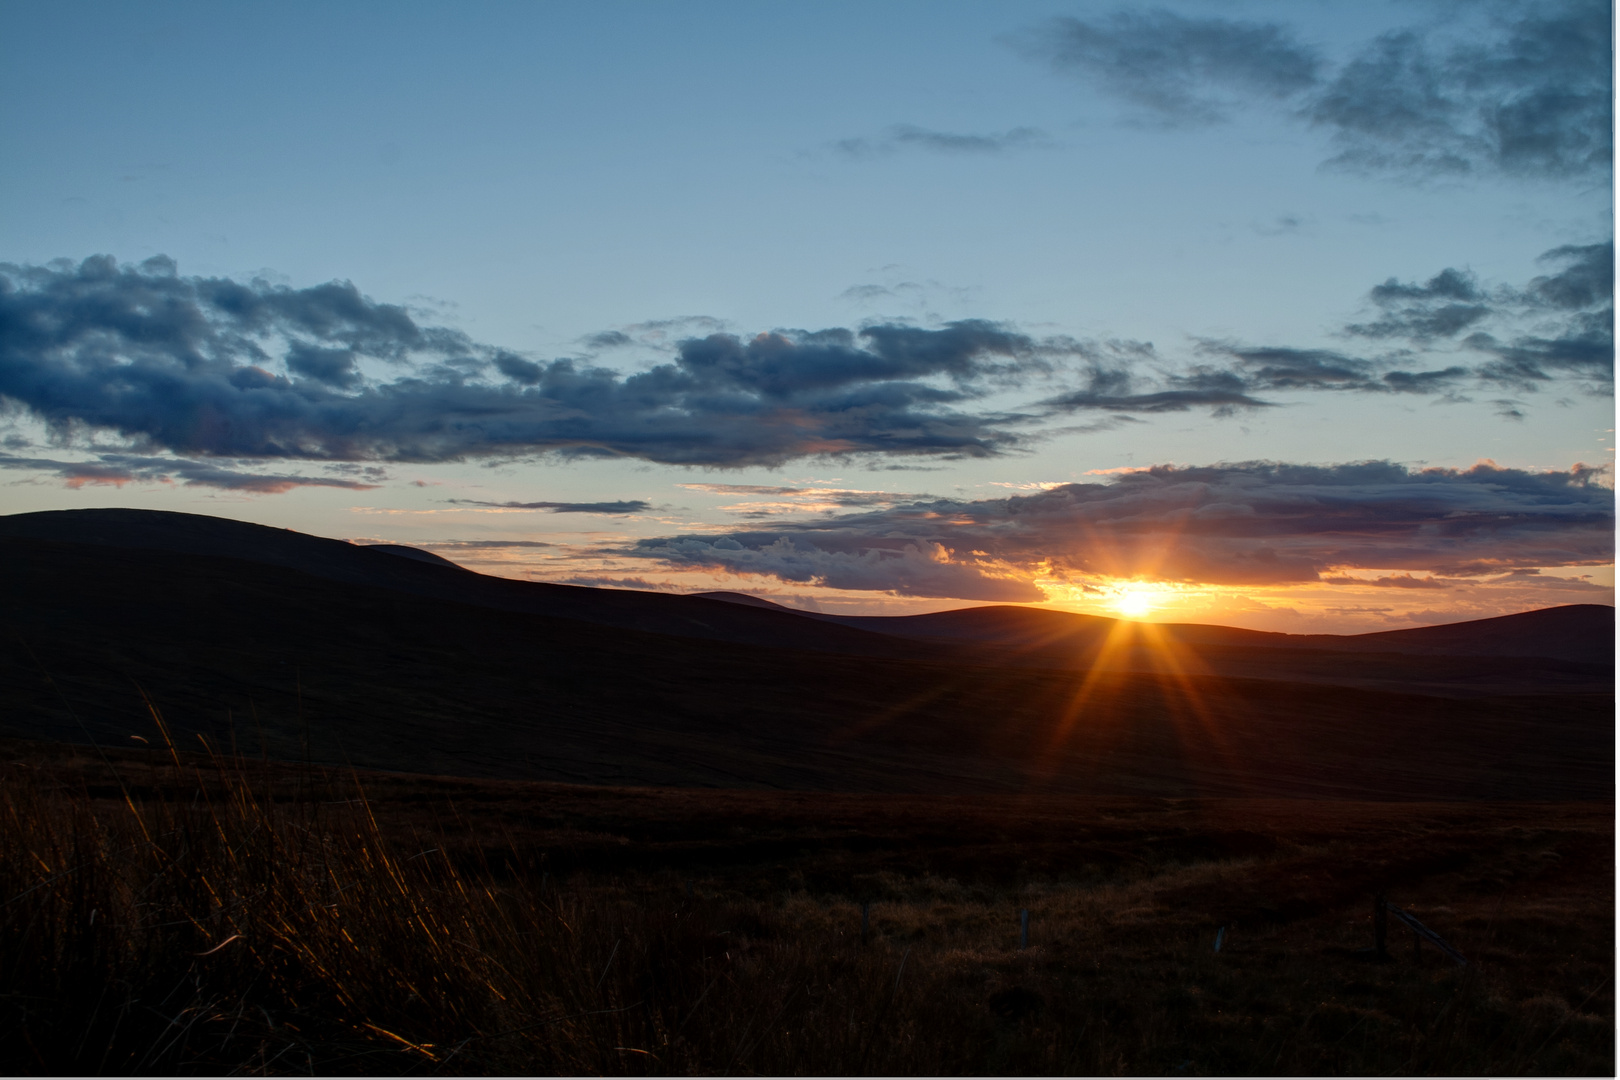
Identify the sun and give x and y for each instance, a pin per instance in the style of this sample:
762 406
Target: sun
1135 603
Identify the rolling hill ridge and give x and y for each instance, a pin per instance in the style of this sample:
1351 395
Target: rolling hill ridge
294 646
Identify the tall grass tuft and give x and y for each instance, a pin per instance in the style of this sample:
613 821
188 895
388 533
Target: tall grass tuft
211 916
222 922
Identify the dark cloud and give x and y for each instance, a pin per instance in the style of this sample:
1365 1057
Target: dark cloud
1569 313
1250 371
601 582
609 339
1586 281
1220 402
916 568
1559 326
1525 362
773 501
1243 524
1522 89
481 545
1391 581
1530 95
1424 382
202 366
840 496
116 470
1116 382
1177 69
334 367
910 137
626 506
1445 305
519 370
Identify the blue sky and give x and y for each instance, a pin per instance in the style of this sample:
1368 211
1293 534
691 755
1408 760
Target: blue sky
1006 252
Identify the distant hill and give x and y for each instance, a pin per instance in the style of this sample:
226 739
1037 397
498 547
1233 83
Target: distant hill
1579 637
292 646
747 601
427 575
406 552
1579 632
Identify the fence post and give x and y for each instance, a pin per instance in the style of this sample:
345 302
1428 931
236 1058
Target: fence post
1380 925
1023 929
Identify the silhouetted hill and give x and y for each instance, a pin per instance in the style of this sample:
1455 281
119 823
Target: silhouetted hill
1582 632
993 635
406 552
1579 632
358 564
339 652
748 601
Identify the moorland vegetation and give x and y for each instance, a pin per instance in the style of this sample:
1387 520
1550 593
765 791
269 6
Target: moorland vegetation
169 913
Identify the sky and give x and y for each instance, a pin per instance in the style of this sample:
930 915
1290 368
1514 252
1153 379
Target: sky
1294 316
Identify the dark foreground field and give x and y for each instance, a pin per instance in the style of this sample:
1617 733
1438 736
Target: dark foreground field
212 917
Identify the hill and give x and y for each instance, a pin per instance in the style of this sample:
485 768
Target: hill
1583 633
321 649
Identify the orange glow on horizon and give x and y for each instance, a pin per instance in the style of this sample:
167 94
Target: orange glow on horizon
1135 602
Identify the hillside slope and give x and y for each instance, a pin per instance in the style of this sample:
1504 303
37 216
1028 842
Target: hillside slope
290 664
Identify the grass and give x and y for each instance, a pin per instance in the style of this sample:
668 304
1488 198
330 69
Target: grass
168 913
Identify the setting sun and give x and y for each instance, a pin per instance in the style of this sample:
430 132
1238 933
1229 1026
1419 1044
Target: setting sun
1135 603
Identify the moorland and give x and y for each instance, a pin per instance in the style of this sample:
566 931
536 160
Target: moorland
279 803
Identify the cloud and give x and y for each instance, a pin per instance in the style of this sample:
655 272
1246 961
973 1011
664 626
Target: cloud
1179 70
827 495
116 470
1521 89
1391 581
1447 304
599 582
1279 226
866 293
482 545
910 137
1221 402
1249 371
609 339
654 333
904 569
1557 325
213 367
1252 523
626 506
1529 95
769 501
1586 281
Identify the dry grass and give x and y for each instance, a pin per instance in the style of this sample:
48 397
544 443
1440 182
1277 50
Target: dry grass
215 917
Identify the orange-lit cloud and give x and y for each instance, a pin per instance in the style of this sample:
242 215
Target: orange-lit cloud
1258 527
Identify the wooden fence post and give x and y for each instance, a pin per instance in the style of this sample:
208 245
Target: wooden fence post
1421 931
